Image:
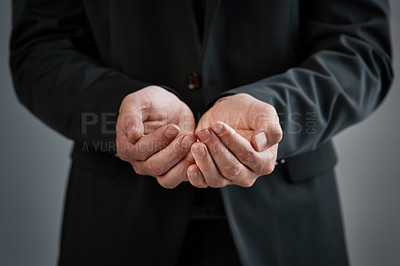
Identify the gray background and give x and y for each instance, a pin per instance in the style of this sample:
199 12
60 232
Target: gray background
34 165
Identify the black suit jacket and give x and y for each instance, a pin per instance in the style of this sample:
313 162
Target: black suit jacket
324 65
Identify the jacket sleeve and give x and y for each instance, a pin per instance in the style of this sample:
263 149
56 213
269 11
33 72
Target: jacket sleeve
56 74
345 76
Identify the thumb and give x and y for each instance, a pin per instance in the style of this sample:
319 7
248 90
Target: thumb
132 126
268 132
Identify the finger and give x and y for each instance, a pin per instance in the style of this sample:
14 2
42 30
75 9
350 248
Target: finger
151 126
150 144
124 147
131 126
228 165
162 161
205 163
241 148
189 157
177 174
195 176
267 133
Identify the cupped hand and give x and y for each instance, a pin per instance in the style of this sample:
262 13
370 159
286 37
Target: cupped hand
155 131
239 139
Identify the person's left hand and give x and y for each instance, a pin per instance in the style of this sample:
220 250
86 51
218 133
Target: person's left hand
239 139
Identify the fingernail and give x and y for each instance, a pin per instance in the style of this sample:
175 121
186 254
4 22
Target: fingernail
218 129
261 141
193 175
199 153
187 141
171 132
204 135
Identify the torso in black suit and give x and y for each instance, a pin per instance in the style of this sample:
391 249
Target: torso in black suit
324 65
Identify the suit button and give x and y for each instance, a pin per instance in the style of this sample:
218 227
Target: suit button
193 81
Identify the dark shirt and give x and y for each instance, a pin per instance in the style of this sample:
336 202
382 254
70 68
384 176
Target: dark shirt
207 202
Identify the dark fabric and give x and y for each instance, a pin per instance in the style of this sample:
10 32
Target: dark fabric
311 164
207 204
324 65
208 243
199 11
297 223
329 59
121 219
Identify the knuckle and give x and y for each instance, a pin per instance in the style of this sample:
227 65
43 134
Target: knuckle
165 183
214 147
276 134
270 109
231 136
133 134
232 170
249 182
138 170
249 156
122 155
138 154
154 168
155 171
224 184
215 183
267 168
121 150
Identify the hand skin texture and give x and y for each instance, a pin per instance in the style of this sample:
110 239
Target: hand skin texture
239 139
154 134
235 145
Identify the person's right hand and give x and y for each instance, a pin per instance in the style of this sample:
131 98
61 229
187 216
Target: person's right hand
155 131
